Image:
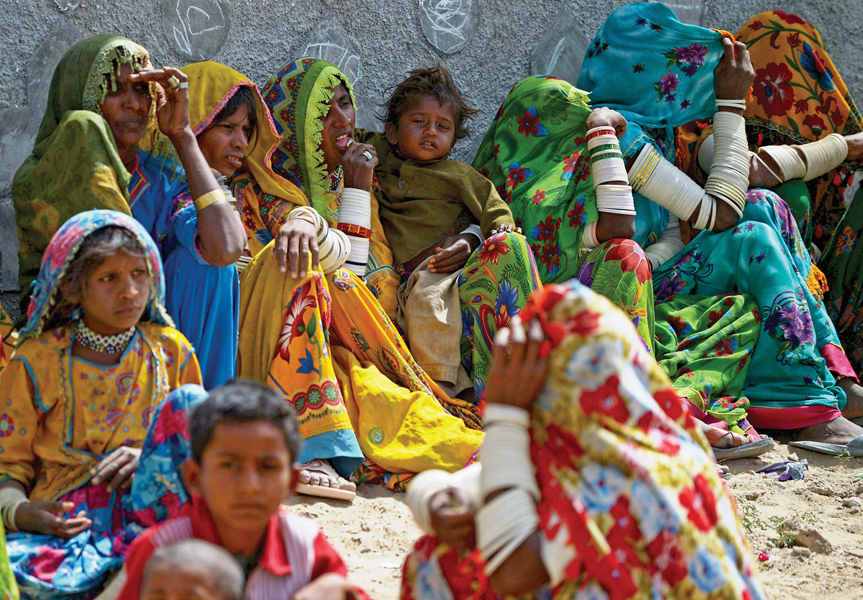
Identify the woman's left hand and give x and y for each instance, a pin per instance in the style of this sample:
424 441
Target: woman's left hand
453 252
520 365
605 117
172 104
119 465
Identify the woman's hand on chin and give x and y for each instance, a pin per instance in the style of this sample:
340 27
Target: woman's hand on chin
119 466
358 167
47 517
296 240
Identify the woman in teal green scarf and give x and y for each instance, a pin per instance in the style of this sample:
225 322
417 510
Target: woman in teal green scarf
668 81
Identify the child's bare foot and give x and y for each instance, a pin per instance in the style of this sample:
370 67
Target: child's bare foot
854 392
837 431
319 478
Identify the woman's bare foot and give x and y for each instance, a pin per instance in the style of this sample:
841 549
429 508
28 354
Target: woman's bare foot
837 431
854 408
722 438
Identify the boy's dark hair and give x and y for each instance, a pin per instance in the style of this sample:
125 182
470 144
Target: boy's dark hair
244 96
431 81
93 251
223 569
243 401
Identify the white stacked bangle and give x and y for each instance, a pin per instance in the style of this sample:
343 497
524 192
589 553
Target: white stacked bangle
428 483
588 236
333 246
355 209
607 166
824 155
729 172
503 524
658 180
11 498
667 246
789 161
740 104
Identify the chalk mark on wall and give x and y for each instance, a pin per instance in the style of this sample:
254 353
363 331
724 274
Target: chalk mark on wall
328 43
67 5
199 28
688 11
561 50
448 24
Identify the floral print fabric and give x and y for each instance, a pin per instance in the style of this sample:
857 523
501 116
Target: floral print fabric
791 363
631 504
800 97
535 152
49 566
842 263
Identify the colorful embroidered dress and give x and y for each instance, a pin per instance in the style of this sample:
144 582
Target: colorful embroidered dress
800 97
535 152
791 375
631 504
61 415
326 342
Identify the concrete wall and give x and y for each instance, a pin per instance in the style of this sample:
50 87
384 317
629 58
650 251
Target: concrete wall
386 37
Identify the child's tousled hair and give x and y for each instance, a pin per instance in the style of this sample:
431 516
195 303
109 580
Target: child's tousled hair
223 569
429 81
93 251
243 401
244 96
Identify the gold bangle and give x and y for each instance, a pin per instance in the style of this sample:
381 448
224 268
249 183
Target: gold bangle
202 202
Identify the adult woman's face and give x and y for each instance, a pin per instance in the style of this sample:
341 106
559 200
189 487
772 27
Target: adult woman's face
224 144
338 127
126 109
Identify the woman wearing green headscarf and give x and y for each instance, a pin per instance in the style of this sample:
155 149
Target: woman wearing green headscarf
322 335
105 103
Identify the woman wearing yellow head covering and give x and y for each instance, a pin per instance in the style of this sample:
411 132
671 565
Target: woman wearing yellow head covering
323 340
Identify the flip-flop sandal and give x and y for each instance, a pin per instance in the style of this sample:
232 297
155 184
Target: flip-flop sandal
852 448
750 450
324 491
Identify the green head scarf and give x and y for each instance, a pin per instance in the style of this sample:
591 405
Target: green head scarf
75 165
298 97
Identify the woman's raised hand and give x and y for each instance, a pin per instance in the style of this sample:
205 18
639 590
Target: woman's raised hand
296 240
358 167
47 518
605 117
518 373
734 75
172 103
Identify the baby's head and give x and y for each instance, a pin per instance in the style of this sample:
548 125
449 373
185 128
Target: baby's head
244 442
108 280
192 570
426 114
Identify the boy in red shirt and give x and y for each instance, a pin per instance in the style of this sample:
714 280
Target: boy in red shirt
244 440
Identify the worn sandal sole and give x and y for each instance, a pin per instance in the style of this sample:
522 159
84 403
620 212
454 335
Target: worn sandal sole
750 450
325 492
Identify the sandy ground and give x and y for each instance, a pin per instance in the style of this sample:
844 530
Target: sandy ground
377 530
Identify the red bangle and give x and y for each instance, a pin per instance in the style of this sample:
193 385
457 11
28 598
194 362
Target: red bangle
603 131
355 230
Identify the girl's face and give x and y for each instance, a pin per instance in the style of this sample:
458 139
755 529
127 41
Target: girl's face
116 294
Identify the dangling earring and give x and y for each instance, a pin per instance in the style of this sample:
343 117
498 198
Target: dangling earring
77 314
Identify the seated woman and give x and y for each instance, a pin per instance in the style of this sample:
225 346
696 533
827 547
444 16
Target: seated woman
540 163
321 337
821 105
101 108
595 480
793 370
81 410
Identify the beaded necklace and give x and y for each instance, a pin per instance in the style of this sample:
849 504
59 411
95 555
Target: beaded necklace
110 344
